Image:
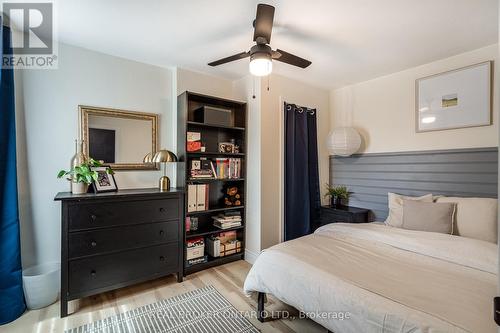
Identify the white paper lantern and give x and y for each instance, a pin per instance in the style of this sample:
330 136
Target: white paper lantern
343 141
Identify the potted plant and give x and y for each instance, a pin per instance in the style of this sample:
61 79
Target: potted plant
82 175
337 194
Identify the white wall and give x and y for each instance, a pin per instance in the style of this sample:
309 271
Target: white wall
203 84
47 103
281 90
383 109
242 90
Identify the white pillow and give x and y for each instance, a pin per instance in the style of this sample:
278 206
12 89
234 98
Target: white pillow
395 218
475 217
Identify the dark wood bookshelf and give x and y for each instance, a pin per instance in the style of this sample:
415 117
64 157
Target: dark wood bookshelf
211 135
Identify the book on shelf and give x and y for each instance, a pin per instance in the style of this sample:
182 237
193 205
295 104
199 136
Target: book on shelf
197 197
196 261
224 221
228 168
227 225
202 169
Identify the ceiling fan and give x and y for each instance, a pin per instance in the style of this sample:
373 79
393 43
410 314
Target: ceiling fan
261 54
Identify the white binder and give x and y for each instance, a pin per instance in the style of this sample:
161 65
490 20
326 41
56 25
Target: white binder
201 194
192 198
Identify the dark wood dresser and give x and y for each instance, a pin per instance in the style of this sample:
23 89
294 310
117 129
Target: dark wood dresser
112 240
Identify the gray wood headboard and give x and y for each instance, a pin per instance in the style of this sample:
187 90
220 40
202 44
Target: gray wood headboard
458 172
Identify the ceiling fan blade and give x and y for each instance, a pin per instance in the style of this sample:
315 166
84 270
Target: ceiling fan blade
290 59
263 23
229 59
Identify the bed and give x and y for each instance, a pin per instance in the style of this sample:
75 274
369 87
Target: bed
376 278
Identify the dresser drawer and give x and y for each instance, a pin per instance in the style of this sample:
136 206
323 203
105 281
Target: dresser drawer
100 272
99 241
106 214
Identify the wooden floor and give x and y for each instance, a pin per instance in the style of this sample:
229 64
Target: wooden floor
227 279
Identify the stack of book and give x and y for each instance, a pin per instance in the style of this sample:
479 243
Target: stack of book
227 220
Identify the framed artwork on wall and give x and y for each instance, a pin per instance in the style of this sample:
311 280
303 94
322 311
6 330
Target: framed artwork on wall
456 99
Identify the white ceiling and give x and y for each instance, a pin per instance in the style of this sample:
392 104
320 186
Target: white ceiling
347 40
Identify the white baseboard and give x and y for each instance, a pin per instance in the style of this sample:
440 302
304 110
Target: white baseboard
250 256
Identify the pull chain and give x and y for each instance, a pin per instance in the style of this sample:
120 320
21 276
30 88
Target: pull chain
253 81
268 83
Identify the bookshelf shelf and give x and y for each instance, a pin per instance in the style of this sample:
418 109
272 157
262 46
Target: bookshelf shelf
198 124
199 153
214 210
209 231
212 262
212 189
209 180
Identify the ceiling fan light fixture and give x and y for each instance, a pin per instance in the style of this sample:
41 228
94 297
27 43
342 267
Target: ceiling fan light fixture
260 64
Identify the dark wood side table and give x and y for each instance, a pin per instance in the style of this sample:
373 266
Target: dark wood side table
345 214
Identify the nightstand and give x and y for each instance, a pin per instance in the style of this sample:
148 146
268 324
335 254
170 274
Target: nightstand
345 214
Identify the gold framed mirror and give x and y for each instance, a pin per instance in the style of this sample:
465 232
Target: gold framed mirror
119 138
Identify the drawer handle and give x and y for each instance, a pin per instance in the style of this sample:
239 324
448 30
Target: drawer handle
161 232
162 258
162 210
93 243
93 273
93 217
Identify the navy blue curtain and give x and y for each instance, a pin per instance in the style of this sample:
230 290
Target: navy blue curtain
302 196
11 285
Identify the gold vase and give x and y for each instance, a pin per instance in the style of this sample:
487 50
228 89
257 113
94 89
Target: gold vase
77 160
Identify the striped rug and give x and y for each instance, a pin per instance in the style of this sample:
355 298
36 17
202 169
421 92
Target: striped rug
202 310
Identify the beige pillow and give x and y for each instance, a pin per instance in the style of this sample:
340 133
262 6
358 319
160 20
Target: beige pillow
475 217
428 216
395 218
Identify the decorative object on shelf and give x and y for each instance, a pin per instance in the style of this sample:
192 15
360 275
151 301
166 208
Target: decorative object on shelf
343 141
337 194
232 197
164 156
84 175
193 224
105 181
455 99
226 147
193 141
77 160
213 116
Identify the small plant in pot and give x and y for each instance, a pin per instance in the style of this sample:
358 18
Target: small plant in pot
82 176
338 194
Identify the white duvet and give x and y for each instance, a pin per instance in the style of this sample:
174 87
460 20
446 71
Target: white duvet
383 279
